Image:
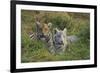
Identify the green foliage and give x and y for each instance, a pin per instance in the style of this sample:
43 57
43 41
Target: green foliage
60 20
36 50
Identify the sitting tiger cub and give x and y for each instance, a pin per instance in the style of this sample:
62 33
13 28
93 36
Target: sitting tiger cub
60 40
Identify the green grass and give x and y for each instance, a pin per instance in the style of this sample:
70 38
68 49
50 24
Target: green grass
36 51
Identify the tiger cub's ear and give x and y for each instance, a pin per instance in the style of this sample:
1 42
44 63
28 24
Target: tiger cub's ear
56 30
65 30
49 25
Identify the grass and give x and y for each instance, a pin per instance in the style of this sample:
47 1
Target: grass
36 51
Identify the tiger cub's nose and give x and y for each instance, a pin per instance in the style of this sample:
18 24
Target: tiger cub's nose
61 42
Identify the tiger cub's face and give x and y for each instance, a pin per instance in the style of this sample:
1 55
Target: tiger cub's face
60 40
46 28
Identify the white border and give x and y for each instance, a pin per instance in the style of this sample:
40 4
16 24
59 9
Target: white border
20 65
